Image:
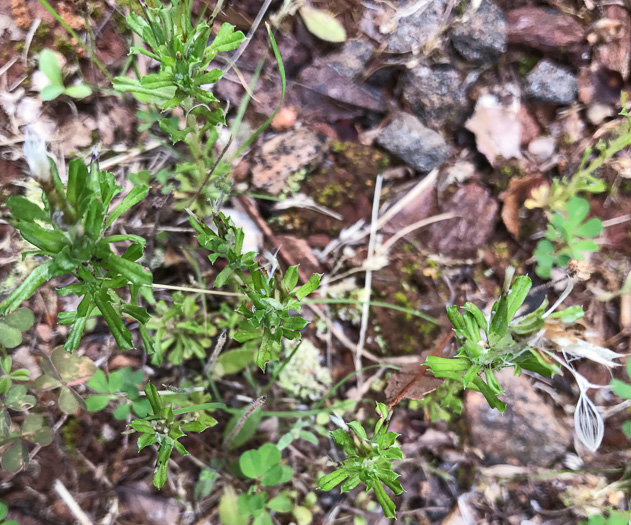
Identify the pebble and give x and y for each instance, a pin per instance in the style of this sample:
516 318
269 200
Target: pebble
481 37
520 436
351 60
420 147
550 83
404 26
434 94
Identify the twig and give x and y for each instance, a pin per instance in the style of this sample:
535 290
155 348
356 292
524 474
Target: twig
237 428
372 242
71 503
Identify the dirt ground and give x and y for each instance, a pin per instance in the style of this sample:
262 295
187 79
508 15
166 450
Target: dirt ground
464 108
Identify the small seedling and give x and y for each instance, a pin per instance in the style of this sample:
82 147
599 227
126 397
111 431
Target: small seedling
161 428
567 237
369 460
70 230
49 65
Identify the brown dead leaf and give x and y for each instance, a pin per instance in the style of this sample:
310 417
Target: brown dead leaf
120 361
514 197
286 154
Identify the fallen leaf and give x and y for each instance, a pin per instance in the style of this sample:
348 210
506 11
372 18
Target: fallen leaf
323 24
514 197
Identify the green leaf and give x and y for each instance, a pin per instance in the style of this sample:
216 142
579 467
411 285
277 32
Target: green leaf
132 271
78 91
99 382
577 210
273 476
280 504
323 24
51 92
309 286
518 294
9 336
226 40
229 508
68 403
620 388
131 199
25 209
291 278
122 336
47 240
333 479
35 279
384 500
255 463
160 477
15 457
49 65
591 228
154 398
72 369
358 429
97 403
22 319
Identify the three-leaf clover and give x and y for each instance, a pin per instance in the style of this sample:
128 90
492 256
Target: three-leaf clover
121 381
567 237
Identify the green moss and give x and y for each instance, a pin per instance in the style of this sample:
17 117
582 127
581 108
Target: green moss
43 30
63 45
330 196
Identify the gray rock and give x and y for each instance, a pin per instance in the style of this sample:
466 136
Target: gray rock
550 83
435 94
520 436
405 25
351 60
481 37
406 137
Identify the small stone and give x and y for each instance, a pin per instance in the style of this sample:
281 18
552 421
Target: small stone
435 94
481 37
351 60
552 84
521 435
406 137
598 113
542 148
406 26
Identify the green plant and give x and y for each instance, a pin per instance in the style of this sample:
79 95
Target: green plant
180 332
263 466
523 342
623 389
273 299
184 55
567 237
614 518
444 402
122 381
161 428
4 510
49 65
369 460
70 231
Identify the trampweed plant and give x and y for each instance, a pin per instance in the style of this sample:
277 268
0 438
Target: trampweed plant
70 229
530 342
369 461
184 55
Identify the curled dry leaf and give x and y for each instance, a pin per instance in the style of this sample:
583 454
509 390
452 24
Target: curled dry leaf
514 197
